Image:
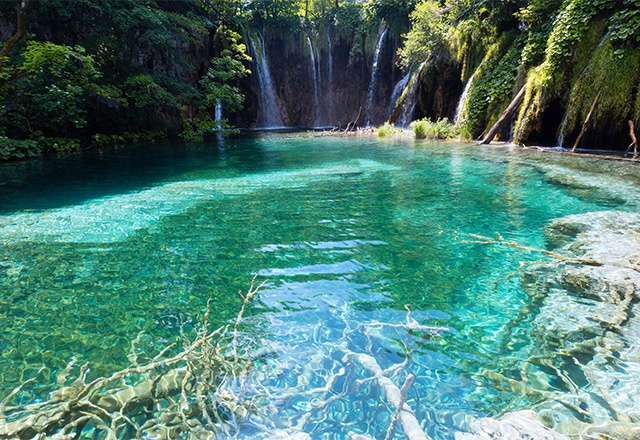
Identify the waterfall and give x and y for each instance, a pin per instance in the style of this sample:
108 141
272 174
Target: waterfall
314 73
374 76
561 134
218 111
398 89
329 94
218 119
271 113
522 121
463 97
410 100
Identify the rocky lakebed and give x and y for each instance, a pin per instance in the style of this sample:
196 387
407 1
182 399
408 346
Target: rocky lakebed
587 333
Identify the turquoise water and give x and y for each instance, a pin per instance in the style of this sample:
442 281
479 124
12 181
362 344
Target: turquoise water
349 233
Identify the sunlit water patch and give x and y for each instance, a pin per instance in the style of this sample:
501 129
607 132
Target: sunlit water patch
363 244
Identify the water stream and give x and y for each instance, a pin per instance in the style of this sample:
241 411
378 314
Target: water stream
560 141
463 97
398 89
271 115
350 234
314 77
410 100
375 77
330 77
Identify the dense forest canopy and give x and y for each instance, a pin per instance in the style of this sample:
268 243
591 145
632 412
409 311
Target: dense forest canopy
82 72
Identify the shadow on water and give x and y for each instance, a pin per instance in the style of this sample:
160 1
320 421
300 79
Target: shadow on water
65 179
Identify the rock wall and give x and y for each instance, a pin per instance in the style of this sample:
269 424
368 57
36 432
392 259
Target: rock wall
332 91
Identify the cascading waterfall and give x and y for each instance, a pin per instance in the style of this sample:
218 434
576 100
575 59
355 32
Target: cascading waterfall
218 111
409 103
561 134
398 89
330 80
374 75
314 73
218 119
271 113
463 97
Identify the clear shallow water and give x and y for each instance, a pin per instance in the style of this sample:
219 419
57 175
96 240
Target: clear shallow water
349 234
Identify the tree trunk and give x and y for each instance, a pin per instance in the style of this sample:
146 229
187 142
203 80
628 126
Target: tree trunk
506 115
21 31
634 141
586 121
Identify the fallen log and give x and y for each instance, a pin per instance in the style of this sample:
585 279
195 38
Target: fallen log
404 413
634 141
506 116
584 125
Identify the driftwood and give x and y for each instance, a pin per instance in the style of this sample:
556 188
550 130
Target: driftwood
584 125
404 413
634 141
479 239
161 399
355 122
506 116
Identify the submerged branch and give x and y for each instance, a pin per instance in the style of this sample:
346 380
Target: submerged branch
480 239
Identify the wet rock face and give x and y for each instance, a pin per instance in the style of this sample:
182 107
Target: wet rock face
333 89
439 90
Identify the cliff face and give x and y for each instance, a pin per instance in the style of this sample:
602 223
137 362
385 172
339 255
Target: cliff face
320 79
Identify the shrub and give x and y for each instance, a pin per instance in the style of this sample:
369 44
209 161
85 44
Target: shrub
420 128
387 129
16 149
60 143
425 128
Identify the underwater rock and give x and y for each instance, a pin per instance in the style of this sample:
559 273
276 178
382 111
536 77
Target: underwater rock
582 301
587 328
612 237
523 425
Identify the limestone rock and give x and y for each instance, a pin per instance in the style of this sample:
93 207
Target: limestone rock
521 425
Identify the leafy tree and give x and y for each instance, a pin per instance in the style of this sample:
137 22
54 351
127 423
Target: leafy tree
427 35
49 92
217 86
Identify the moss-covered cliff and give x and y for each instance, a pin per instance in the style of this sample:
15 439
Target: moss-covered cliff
566 53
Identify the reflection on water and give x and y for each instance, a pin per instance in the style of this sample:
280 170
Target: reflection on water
350 234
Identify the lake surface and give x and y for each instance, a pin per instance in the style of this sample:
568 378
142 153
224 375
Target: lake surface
349 233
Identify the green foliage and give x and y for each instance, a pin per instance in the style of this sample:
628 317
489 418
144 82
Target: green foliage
49 91
427 34
609 75
59 143
283 15
425 128
100 140
492 86
196 128
625 30
568 30
143 92
18 149
393 12
217 85
350 18
388 129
